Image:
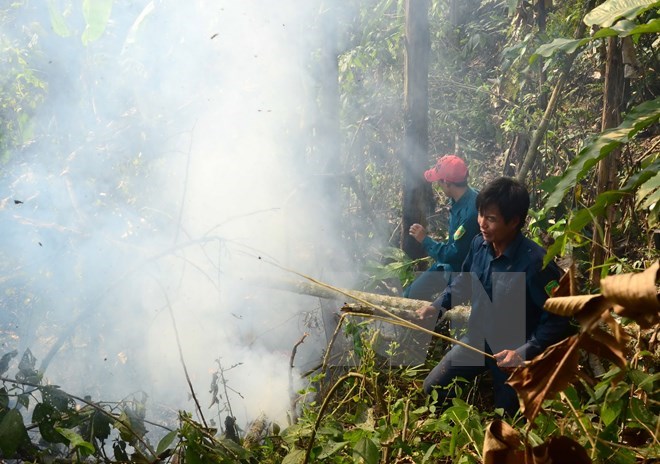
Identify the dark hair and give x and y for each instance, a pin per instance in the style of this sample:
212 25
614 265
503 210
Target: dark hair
509 195
463 183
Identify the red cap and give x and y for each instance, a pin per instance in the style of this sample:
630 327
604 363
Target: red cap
449 168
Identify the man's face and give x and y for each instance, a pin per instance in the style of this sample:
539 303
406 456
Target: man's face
442 187
493 226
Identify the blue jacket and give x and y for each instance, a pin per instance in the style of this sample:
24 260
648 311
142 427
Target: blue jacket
507 295
463 226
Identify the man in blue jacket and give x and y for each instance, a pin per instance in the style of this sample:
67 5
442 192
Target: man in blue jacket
504 278
451 173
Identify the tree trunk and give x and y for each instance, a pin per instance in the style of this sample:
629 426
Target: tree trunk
541 19
606 176
417 194
396 305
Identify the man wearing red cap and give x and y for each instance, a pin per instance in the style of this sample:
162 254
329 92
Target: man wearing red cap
451 173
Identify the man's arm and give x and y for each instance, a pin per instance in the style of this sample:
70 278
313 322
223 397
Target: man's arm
551 327
458 245
459 288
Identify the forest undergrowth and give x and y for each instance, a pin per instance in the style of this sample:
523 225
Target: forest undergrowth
593 397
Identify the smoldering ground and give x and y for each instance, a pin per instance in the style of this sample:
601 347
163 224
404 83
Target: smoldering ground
160 161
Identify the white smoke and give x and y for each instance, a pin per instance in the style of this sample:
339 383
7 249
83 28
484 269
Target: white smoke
167 159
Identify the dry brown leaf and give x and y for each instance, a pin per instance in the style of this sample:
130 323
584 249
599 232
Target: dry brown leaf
569 306
503 444
604 345
593 314
566 283
557 367
617 331
550 372
636 295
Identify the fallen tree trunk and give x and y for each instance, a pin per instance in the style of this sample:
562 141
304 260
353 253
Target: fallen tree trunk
395 304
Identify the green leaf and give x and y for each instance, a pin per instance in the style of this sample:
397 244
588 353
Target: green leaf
641 177
648 186
606 14
643 380
610 411
46 416
57 20
367 450
23 400
193 456
580 218
100 425
623 28
651 199
119 450
429 453
166 441
564 45
331 448
12 433
75 440
294 457
97 14
26 368
640 412
55 397
233 448
6 358
639 118
626 28
621 456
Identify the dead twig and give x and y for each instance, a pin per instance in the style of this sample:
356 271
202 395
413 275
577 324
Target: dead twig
295 348
292 396
183 362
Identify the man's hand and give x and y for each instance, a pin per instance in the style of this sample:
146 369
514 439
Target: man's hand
508 360
418 232
427 312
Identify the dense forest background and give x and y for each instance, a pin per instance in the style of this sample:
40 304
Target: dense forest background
164 163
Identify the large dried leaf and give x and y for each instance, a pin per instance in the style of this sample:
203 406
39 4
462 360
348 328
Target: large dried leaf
569 306
550 372
567 283
622 337
557 367
604 345
636 295
503 444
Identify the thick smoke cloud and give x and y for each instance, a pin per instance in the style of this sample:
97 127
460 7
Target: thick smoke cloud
167 167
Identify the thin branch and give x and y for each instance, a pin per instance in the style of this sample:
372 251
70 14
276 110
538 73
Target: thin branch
579 421
295 349
324 405
185 184
183 362
648 152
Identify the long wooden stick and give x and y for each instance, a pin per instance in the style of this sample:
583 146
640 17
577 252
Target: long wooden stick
403 322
